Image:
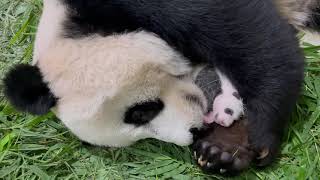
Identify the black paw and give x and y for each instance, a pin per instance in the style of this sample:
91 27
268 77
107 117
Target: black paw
213 157
224 150
266 147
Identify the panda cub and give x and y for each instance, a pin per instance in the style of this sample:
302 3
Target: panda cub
118 71
227 105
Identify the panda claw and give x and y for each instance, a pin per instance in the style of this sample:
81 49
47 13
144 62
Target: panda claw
222 171
219 152
202 162
209 165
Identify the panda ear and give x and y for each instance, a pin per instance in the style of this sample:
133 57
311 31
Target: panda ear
26 90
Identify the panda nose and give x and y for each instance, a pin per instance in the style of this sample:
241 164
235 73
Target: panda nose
196 133
200 132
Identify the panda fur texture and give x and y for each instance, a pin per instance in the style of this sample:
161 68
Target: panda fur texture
119 71
303 14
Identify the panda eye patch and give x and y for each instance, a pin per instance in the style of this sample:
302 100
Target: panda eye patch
142 113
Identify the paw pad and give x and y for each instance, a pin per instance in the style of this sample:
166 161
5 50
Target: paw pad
224 150
214 159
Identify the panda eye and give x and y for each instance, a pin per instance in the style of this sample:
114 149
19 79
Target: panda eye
142 113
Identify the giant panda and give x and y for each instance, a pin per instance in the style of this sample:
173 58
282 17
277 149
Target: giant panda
117 71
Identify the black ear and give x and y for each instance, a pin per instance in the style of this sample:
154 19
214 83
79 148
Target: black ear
26 90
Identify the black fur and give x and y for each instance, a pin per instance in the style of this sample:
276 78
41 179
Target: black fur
25 89
91 17
247 40
143 113
314 20
236 95
208 81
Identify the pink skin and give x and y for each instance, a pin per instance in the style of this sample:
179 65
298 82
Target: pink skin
227 106
219 115
221 119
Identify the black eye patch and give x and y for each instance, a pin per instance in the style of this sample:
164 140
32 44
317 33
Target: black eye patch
142 113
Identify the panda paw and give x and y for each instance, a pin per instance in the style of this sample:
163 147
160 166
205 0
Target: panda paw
224 150
267 147
227 107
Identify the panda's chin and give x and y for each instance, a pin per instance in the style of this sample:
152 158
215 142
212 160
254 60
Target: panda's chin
207 80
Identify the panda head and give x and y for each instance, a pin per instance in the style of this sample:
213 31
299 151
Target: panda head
113 90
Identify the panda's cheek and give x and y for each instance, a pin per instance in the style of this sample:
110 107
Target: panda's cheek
181 138
171 130
149 131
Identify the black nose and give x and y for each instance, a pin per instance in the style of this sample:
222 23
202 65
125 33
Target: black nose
200 132
195 132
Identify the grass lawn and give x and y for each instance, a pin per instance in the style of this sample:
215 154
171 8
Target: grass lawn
42 148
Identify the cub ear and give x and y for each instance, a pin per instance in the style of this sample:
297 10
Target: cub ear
25 89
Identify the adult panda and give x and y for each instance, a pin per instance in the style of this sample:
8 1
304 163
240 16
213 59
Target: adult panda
116 71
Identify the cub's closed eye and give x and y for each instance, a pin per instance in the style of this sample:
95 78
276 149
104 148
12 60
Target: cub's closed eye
142 113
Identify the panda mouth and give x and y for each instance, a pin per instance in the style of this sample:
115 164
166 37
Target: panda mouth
208 81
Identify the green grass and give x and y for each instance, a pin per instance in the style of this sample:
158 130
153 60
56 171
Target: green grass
42 148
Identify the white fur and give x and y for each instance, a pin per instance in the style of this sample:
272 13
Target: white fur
49 26
296 11
97 78
223 101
